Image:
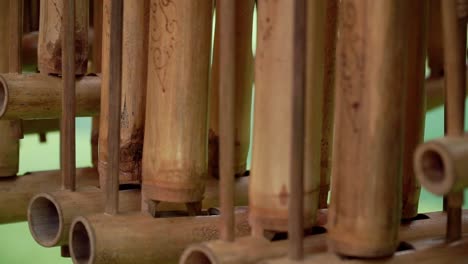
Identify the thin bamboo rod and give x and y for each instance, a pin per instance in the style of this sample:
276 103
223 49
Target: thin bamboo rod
97 40
67 127
226 11
16 34
115 94
454 35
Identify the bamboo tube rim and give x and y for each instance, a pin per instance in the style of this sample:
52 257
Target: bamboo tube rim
45 220
4 96
199 254
79 235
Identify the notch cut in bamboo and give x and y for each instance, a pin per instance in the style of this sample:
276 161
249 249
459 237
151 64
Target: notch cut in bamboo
37 96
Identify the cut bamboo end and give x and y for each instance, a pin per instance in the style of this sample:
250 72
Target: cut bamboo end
440 164
50 214
99 238
37 96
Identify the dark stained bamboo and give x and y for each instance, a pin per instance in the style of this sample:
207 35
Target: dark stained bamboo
67 127
97 40
115 94
435 47
227 72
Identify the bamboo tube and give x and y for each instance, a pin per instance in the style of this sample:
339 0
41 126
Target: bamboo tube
415 110
134 66
331 25
5 32
95 141
36 96
100 238
176 136
244 61
364 217
51 214
435 47
51 33
435 92
250 250
15 35
16 192
97 39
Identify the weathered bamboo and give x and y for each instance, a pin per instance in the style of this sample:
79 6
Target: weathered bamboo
243 90
5 31
176 137
37 96
415 110
441 166
435 47
250 250
97 39
134 66
51 33
102 239
364 217
15 35
270 187
16 192
51 214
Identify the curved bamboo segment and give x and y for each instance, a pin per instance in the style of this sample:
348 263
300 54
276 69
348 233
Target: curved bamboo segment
175 165
100 239
244 61
16 192
441 166
365 206
51 33
37 96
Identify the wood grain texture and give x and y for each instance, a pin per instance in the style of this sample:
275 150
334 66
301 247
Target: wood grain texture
176 137
365 205
52 31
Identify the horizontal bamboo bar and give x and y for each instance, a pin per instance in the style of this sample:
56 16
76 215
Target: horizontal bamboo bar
250 250
435 92
37 96
51 214
16 192
441 166
136 238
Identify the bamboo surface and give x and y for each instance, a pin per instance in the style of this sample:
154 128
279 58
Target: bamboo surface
415 110
365 205
37 96
435 47
51 33
16 192
244 76
136 238
175 147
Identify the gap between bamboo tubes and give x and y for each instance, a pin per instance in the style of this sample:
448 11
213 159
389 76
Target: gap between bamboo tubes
67 127
226 10
115 90
296 200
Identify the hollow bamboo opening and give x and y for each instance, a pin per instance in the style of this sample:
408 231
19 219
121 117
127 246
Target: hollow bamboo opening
3 96
433 166
81 242
45 220
197 255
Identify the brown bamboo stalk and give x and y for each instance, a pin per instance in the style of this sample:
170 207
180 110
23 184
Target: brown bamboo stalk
52 31
134 68
331 25
364 217
175 147
36 96
95 141
415 110
454 35
435 47
99 239
97 40
67 126
243 90
16 192
15 35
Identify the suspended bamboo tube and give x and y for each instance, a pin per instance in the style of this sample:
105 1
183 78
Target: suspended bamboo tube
250 250
435 47
134 66
243 90
36 96
270 187
364 217
99 238
16 192
331 25
415 110
51 33
176 137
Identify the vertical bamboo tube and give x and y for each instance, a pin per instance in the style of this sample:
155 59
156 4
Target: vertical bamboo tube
244 61
270 187
134 68
176 140
415 103
435 47
365 206
331 25
97 40
51 33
